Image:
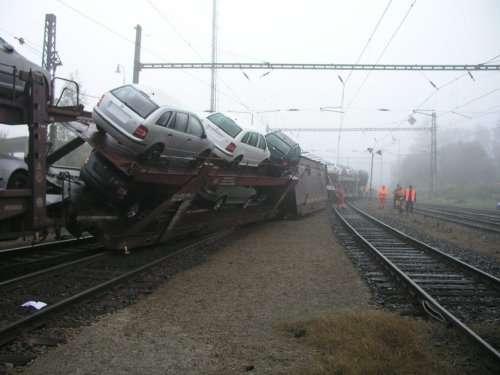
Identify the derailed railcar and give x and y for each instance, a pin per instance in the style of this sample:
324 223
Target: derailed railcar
309 193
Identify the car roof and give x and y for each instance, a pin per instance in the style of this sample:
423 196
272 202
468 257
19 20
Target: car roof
242 124
160 97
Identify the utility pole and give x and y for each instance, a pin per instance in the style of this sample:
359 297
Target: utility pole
372 151
137 54
213 85
50 57
50 62
433 156
433 153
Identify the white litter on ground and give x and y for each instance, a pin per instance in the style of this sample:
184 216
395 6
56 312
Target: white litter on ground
35 304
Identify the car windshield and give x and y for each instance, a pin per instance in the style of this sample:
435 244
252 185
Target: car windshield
275 142
229 127
285 138
136 100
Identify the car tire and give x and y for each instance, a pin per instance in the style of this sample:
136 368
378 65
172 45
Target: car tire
153 153
219 203
236 161
19 180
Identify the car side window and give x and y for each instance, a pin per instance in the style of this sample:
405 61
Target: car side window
262 142
245 138
180 123
163 119
253 139
195 126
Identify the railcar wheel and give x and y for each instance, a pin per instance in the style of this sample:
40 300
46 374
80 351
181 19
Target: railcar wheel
19 180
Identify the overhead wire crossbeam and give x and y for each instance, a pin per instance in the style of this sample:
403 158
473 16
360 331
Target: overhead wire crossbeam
326 66
312 130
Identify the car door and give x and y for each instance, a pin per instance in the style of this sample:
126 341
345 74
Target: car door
263 153
178 136
195 143
159 131
252 152
243 147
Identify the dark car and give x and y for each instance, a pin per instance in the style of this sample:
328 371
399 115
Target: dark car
285 152
11 63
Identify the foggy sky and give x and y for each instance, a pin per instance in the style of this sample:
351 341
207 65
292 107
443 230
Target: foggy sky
314 31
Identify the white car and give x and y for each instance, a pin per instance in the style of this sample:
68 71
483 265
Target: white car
233 143
149 130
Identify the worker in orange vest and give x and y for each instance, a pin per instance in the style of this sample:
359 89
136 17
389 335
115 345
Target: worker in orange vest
383 192
340 195
410 198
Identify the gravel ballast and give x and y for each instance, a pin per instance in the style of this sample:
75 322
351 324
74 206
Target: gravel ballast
226 315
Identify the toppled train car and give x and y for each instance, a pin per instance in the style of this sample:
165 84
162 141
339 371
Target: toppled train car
127 200
353 182
310 192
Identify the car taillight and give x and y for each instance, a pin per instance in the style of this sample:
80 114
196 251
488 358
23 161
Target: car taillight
231 147
100 101
141 132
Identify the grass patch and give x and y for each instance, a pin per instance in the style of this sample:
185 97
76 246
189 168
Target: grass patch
369 342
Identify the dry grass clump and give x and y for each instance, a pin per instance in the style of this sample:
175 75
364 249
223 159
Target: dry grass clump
369 342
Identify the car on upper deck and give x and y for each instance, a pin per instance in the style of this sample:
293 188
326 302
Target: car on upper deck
149 130
11 63
285 152
235 144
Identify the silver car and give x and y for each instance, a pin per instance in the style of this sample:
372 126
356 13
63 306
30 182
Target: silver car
148 130
13 173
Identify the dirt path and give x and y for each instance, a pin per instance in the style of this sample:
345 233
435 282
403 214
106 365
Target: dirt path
224 316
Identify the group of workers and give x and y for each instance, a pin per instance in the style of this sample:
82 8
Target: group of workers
403 198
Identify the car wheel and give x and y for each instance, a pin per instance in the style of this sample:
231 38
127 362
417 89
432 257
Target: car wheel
219 203
236 161
19 180
153 153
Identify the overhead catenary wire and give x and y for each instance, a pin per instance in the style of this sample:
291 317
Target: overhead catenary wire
451 81
372 34
190 45
127 39
382 53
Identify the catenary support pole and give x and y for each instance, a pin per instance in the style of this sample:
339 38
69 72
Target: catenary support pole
213 83
137 54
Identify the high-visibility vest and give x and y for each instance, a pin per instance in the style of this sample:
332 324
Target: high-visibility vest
382 193
410 195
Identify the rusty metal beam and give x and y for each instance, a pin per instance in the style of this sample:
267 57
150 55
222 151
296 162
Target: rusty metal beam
64 150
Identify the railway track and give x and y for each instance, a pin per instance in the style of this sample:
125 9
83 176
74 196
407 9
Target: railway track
78 281
477 219
23 260
445 287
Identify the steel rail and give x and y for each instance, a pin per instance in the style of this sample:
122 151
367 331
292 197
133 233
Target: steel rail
461 220
470 216
14 329
52 269
484 211
415 290
482 214
423 245
48 244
